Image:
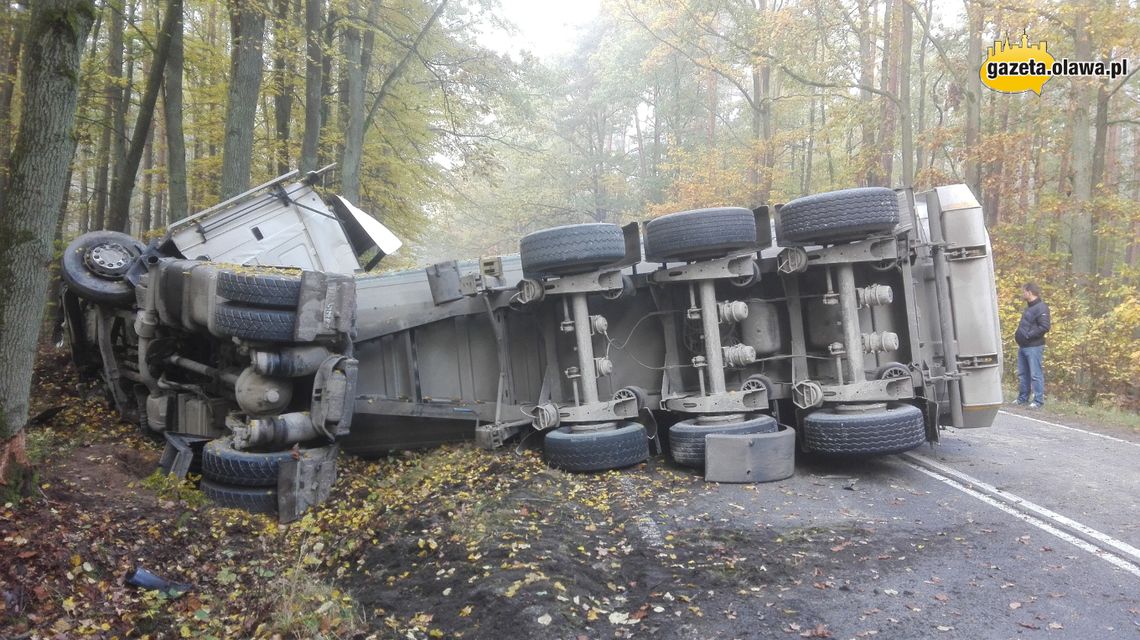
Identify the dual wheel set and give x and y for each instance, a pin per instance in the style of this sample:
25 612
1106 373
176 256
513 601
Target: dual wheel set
707 235
258 306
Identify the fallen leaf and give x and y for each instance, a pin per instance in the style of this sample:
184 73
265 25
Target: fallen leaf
818 631
1015 605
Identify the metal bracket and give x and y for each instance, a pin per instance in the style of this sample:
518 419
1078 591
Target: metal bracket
305 481
491 436
591 282
753 399
179 453
736 266
875 249
334 396
327 306
870 391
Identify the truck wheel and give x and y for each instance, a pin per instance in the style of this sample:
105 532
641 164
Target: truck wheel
224 464
94 266
703 233
251 323
893 429
838 216
252 499
687 437
575 248
596 450
263 289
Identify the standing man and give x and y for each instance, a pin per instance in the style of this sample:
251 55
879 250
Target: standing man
1030 337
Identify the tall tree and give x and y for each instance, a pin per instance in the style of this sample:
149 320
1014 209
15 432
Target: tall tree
40 158
314 63
124 183
248 28
172 117
11 44
113 114
353 105
283 43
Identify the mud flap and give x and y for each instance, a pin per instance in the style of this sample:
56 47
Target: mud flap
179 453
753 457
305 482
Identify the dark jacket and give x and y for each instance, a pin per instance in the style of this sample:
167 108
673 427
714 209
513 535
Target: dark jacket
1035 323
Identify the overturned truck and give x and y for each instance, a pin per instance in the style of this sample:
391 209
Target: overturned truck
257 336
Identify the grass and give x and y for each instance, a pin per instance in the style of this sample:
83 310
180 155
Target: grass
1096 415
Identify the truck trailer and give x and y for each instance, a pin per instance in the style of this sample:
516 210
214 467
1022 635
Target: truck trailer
262 337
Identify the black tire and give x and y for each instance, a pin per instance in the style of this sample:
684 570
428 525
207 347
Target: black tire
703 233
596 450
252 499
687 437
895 429
109 284
262 289
571 249
226 465
838 216
251 323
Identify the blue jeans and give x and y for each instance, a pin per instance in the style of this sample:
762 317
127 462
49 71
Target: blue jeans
1031 373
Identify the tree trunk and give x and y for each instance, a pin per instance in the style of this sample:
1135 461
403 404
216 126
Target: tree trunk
354 104
906 124
145 219
124 184
973 98
920 150
323 154
241 107
888 83
1081 241
314 59
42 152
282 79
120 220
866 80
172 115
13 46
111 108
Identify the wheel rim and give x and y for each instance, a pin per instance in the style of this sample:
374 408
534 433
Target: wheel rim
860 407
108 260
718 419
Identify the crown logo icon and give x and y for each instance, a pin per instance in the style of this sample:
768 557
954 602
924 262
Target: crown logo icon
1017 67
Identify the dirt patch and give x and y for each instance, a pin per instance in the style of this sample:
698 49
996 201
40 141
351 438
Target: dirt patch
452 542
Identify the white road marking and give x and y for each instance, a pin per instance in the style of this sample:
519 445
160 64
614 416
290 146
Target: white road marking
1107 556
1062 426
1103 538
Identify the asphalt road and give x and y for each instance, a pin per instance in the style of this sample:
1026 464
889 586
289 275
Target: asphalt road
1030 528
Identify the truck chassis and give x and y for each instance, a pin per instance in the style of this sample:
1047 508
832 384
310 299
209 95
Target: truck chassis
255 335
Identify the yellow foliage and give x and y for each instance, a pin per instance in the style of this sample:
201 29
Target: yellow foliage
1093 349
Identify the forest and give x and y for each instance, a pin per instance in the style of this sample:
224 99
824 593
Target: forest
129 115
462 147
